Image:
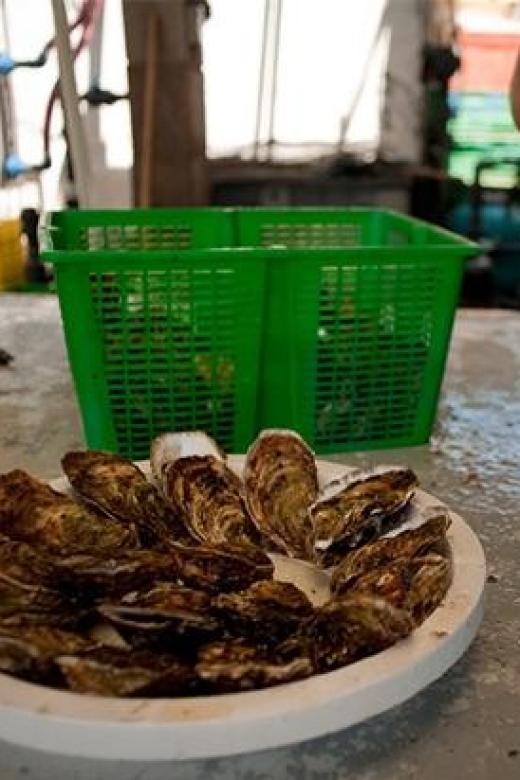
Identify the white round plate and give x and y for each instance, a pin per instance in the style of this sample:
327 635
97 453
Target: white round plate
164 729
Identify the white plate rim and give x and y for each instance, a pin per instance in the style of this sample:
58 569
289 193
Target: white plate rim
166 729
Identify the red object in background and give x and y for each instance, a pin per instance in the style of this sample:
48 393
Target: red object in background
488 60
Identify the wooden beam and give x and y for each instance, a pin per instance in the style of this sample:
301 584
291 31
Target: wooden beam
167 102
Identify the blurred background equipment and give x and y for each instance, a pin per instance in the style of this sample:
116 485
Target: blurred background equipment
398 104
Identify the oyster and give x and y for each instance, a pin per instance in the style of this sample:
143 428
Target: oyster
234 665
211 498
27 592
221 569
94 576
118 488
267 612
31 511
43 607
167 599
167 614
111 672
169 447
430 583
358 507
391 582
23 567
30 651
428 537
281 483
347 629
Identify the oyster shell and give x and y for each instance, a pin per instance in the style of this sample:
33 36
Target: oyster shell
30 651
118 488
221 569
234 665
94 576
31 511
27 592
167 614
430 583
207 568
20 606
211 498
169 447
23 567
428 537
15 602
110 672
169 600
358 507
390 582
347 629
267 612
281 481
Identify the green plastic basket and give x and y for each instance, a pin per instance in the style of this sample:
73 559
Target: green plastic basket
333 322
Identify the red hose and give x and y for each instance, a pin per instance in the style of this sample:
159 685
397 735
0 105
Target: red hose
81 18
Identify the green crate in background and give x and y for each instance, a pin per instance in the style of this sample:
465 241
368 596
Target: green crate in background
334 322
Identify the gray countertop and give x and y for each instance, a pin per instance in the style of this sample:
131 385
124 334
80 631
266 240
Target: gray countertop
465 726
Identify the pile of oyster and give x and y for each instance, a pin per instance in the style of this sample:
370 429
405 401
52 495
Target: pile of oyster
161 584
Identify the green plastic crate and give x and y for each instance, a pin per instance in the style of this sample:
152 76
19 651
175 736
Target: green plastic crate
333 322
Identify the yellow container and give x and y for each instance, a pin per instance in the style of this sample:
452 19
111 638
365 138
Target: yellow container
11 254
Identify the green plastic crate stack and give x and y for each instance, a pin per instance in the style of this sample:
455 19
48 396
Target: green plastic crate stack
482 128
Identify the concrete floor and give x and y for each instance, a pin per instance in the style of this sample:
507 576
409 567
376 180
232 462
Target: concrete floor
464 727
39 418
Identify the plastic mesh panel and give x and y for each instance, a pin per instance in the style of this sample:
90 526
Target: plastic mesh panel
309 235
136 237
375 325
171 356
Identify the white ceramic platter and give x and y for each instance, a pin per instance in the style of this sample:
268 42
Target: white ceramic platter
164 729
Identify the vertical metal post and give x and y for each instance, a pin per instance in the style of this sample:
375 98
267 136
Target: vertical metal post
261 80
274 78
70 105
96 50
268 76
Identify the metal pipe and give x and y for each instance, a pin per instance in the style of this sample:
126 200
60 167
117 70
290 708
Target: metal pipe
8 122
96 48
261 79
274 76
70 104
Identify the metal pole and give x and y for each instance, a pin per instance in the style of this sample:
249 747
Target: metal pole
70 105
6 100
274 76
261 79
96 50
